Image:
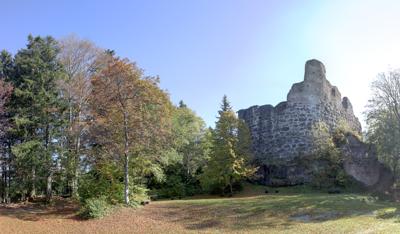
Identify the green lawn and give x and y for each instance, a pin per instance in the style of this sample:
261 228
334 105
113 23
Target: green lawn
292 210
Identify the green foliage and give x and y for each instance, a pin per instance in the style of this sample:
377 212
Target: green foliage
36 111
94 208
139 194
384 133
383 119
172 188
6 65
327 160
131 117
188 136
106 180
387 213
230 152
182 162
177 183
90 124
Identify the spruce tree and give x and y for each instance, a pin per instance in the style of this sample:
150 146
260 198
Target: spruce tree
36 108
6 65
6 171
230 154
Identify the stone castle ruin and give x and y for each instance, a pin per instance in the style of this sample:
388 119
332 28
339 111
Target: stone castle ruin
282 135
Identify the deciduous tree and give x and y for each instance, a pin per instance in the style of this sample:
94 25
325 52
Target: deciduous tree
131 115
383 118
80 60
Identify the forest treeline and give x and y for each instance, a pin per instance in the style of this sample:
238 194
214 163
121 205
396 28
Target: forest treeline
79 121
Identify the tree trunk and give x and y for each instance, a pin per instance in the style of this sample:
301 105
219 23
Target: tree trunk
70 142
7 196
395 171
76 167
49 180
23 195
33 189
230 187
7 185
3 185
75 184
126 179
8 174
49 187
4 181
126 154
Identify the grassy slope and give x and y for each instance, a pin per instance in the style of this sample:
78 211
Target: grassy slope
288 212
292 210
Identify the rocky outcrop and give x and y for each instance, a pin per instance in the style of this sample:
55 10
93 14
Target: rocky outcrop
282 135
360 162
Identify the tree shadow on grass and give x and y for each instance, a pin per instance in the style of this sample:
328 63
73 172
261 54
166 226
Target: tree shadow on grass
271 211
61 209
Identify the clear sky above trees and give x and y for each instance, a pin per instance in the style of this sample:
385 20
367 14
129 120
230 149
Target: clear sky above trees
250 50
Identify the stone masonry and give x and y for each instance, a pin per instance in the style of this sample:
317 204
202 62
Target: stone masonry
283 134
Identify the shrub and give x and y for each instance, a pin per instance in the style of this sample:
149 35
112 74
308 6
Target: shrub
177 184
387 213
106 181
138 195
327 158
94 208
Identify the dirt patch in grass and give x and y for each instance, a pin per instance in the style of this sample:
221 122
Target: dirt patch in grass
315 218
61 218
59 209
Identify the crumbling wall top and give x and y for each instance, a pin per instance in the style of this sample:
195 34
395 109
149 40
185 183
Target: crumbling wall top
314 71
315 89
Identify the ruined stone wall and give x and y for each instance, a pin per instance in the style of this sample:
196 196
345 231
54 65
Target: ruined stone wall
283 133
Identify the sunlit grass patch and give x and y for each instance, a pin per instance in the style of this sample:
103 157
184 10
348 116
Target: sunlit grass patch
290 212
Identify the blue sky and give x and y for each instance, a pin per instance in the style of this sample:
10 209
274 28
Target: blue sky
252 51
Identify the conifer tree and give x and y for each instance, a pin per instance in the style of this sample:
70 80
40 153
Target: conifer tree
36 109
6 65
230 154
5 159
